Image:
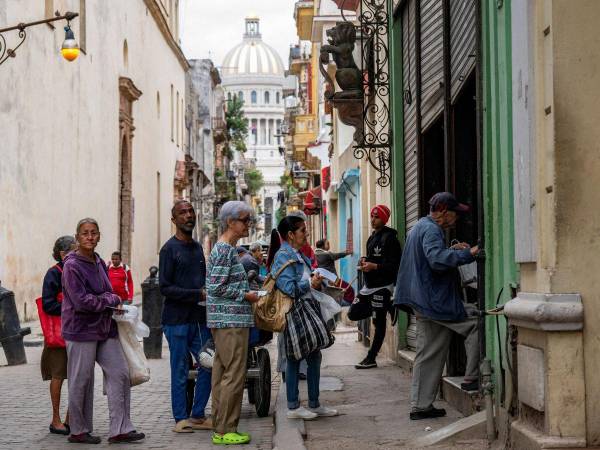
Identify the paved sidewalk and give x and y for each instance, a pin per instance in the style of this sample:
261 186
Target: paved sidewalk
25 412
373 404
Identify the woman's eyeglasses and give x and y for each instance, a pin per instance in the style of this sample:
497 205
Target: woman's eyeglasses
246 221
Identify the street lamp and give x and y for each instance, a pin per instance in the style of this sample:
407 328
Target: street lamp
70 49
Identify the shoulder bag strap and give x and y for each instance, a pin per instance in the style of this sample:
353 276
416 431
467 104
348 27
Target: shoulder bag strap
291 261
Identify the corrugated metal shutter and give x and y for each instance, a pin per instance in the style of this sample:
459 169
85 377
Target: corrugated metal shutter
411 167
462 43
432 61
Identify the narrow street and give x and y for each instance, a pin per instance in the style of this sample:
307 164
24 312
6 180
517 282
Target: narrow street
26 411
378 420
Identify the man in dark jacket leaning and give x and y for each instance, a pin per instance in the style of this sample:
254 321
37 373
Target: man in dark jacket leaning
427 284
380 268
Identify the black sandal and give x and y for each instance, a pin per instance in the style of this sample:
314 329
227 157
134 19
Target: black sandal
55 430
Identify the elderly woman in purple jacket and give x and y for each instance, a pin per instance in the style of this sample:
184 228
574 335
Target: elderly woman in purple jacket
91 336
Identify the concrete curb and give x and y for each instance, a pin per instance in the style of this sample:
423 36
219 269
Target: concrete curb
470 427
289 433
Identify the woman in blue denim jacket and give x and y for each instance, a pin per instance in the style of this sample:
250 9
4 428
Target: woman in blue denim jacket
296 281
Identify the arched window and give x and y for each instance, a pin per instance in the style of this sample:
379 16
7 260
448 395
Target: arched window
277 98
253 97
241 96
267 97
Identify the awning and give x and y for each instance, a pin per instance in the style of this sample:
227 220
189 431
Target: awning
312 201
349 177
347 5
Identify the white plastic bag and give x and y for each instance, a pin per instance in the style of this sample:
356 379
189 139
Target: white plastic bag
132 316
139 372
131 330
468 275
329 307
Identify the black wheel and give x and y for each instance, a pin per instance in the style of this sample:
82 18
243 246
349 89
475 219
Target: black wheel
252 391
262 385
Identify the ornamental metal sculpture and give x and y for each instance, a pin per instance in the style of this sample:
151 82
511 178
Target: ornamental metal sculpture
364 99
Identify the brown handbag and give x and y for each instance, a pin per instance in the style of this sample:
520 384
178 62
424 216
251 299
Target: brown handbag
271 308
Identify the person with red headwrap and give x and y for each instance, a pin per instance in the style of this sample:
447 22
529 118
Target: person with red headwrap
380 268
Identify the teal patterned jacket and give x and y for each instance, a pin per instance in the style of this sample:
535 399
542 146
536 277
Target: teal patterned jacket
226 284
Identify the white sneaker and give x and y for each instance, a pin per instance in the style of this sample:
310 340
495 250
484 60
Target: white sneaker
301 413
324 411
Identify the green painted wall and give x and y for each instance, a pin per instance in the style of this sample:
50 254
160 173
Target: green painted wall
397 153
501 269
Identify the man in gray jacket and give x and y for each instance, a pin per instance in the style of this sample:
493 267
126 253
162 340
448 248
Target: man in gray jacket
326 259
427 284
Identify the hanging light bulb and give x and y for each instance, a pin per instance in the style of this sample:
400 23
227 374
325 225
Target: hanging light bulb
70 48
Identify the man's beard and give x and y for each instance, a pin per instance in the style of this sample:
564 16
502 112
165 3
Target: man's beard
187 228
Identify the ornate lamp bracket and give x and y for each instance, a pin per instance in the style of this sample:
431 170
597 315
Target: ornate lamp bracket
6 52
364 99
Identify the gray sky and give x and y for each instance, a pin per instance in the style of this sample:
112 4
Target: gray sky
216 26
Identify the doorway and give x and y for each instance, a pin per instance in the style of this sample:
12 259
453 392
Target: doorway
128 94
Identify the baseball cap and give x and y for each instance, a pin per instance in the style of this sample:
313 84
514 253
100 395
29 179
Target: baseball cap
449 200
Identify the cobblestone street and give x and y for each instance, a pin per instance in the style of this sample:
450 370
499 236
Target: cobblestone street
26 412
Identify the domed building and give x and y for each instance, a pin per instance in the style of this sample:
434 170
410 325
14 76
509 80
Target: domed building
254 72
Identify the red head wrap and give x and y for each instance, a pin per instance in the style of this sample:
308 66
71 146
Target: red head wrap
382 211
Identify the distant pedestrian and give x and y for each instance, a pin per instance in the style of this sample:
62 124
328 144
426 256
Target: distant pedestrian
380 268
91 336
427 284
296 281
182 276
230 317
325 258
252 261
120 278
54 360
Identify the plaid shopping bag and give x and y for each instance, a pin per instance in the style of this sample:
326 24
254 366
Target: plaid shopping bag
305 330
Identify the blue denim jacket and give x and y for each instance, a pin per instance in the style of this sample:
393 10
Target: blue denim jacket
290 280
427 280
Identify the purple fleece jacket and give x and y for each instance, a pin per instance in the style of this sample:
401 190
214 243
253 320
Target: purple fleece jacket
87 294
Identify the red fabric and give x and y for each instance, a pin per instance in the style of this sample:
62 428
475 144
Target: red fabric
308 251
51 325
383 212
312 201
121 281
326 177
348 5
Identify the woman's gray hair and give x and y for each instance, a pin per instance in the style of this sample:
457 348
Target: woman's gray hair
254 247
62 244
233 210
82 222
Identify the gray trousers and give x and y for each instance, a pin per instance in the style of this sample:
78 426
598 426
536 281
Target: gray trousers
433 341
82 357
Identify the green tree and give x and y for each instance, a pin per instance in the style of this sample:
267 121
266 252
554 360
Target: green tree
254 180
237 126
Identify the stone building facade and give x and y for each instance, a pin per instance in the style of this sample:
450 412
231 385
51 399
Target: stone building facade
96 137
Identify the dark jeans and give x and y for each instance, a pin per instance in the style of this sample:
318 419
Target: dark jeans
185 340
313 378
379 322
381 302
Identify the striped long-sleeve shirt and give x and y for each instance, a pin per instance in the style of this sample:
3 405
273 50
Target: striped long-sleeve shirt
226 284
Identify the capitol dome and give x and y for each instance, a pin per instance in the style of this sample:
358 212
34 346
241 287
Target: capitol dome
252 57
